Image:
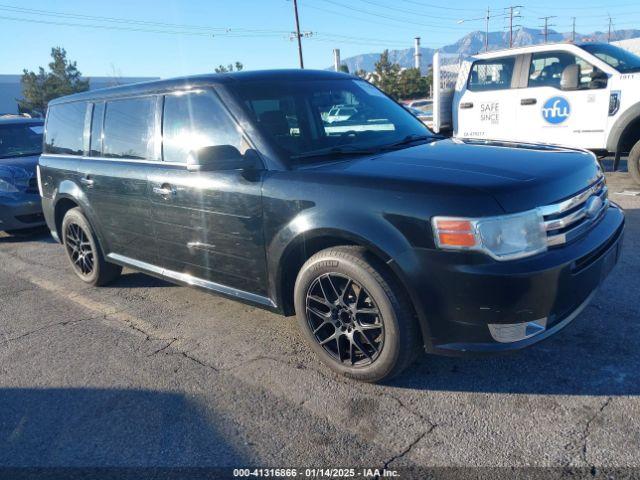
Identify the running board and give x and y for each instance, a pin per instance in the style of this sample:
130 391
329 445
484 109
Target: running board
190 280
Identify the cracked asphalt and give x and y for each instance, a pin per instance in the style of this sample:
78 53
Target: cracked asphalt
145 373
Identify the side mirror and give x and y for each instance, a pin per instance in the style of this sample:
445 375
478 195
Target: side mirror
570 77
215 157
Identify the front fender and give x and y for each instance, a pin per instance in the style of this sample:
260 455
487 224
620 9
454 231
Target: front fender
373 232
616 135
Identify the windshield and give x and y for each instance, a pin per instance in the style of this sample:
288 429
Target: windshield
20 139
622 60
305 119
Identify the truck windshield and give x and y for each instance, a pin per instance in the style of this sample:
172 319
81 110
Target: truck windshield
306 119
19 140
616 57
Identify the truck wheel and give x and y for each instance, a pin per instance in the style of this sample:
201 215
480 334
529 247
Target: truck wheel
84 252
633 163
355 315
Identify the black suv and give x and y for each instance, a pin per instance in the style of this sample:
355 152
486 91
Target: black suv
380 236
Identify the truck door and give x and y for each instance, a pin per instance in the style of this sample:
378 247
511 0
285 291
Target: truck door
486 105
574 116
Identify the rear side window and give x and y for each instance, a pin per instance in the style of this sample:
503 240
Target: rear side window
494 74
196 120
65 128
129 128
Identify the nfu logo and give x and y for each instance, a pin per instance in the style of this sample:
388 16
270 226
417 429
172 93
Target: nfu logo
556 110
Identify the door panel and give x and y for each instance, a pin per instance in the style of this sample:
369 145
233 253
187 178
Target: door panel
574 118
117 187
487 106
118 196
210 225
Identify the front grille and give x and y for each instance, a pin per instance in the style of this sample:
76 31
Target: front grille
571 218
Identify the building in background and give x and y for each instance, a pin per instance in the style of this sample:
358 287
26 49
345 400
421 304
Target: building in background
11 90
632 44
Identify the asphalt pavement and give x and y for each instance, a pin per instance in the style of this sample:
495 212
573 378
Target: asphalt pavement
147 374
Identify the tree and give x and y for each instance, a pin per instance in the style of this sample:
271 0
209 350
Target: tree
386 75
229 68
343 68
38 89
411 84
362 73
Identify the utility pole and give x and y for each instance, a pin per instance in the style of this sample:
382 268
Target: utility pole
486 30
609 34
513 13
545 32
298 34
486 25
573 30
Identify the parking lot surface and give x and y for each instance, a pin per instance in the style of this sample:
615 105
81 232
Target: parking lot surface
145 373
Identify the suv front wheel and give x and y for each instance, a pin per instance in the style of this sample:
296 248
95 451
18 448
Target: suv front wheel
84 252
355 315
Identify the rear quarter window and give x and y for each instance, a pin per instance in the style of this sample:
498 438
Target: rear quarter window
65 128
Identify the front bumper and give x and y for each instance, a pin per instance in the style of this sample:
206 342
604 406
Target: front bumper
20 210
472 304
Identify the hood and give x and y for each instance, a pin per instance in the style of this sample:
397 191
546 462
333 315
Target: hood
518 176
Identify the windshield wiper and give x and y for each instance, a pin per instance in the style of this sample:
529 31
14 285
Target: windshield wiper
408 140
335 152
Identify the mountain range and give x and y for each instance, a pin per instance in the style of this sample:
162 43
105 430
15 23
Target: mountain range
474 42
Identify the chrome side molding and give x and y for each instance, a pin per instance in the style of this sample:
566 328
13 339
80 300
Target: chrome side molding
186 279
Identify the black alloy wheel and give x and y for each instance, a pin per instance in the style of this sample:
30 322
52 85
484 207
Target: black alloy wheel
344 319
79 249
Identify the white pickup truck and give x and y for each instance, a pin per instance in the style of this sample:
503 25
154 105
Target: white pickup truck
577 95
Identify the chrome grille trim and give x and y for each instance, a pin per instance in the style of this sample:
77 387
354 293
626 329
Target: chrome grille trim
573 201
577 218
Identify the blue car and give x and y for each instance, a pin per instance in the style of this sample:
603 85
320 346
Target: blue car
20 147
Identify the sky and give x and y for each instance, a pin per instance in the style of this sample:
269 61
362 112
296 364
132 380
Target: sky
165 38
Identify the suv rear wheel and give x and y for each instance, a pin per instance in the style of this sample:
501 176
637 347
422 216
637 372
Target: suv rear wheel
633 163
83 251
355 315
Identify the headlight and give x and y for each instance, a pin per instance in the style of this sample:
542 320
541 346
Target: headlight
6 186
505 237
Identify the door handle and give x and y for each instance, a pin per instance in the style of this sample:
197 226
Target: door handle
466 105
164 190
528 101
88 181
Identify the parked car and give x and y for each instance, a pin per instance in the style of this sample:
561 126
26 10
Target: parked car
340 113
20 146
381 241
422 104
578 95
421 115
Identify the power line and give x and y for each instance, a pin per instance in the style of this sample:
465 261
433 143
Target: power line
404 10
404 21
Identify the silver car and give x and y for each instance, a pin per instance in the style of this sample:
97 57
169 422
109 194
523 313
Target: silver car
20 148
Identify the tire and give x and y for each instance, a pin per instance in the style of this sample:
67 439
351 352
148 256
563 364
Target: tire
366 346
633 163
84 252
